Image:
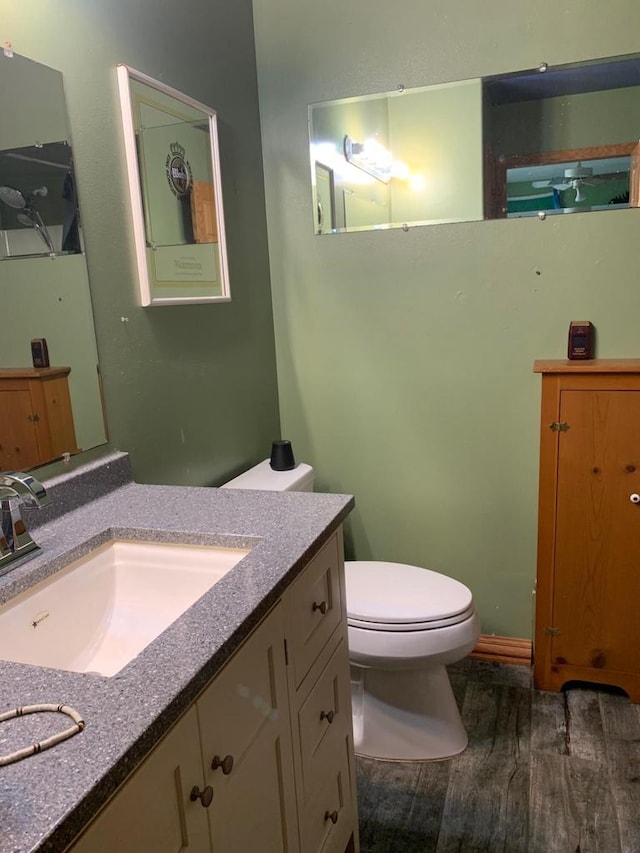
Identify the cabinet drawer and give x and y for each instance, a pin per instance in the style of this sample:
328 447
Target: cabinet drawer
315 607
334 799
324 720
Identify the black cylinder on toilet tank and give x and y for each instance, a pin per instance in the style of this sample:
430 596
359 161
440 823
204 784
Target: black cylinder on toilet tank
282 458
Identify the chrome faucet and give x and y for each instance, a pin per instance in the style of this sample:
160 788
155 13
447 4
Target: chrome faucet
17 490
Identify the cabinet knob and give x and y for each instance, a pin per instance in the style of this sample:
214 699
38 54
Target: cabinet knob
205 796
634 498
327 715
332 816
322 607
225 764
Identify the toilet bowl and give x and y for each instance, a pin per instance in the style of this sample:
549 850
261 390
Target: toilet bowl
405 625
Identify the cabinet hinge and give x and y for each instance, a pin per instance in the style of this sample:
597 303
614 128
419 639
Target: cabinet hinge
286 653
552 632
559 426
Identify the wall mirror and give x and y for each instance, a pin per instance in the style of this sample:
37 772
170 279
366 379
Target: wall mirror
552 140
173 165
44 284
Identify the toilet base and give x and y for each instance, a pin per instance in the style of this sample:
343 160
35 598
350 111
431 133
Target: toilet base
405 714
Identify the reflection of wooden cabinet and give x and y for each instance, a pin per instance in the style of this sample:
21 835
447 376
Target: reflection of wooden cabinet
36 420
203 213
587 625
267 743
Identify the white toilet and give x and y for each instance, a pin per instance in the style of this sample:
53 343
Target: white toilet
406 624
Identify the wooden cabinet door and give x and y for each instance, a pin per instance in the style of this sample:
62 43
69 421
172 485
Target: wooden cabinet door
203 213
595 631
244 719
36 419
598 531
19 448
153 810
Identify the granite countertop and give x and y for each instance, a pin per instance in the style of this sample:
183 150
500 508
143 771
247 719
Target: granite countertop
46 799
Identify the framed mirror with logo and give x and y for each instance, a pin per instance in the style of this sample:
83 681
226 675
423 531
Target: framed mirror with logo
175 193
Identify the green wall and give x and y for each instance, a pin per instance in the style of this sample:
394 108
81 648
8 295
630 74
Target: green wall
191 390
405 359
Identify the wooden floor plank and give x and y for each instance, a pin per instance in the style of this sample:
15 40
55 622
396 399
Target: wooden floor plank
585 734
621 727
486 802
571 808
491 673
400 805
543 773
549 730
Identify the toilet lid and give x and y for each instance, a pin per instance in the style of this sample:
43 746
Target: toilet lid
397 594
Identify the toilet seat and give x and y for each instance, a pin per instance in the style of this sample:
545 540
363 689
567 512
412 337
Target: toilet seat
392 597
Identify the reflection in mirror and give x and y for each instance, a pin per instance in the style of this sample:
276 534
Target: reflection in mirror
456 152
567 186
38 206
175 191
53 408
39 210
406 156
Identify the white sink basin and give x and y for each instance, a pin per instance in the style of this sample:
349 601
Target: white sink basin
98 613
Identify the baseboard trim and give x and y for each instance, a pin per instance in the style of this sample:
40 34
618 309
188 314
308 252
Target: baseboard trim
503 650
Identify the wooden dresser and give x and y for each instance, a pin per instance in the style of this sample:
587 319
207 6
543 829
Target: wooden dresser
588 579
36 420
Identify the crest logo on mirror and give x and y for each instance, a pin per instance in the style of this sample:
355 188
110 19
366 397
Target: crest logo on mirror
179 173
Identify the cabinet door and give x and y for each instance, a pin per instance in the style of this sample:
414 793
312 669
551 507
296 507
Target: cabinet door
19 449
597 545
244 720
153 810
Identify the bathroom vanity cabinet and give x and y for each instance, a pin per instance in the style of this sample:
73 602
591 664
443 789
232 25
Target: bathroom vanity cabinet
36 421
263 759
588 582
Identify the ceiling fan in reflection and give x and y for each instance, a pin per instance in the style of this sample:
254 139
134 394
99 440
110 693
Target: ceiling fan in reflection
575 178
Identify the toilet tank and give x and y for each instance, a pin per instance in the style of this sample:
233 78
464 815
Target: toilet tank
262 476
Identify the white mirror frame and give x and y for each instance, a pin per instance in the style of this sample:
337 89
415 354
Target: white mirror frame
175 291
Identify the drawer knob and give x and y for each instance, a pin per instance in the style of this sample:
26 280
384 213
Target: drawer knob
322 607
327 715
205 796
225 764
332 816
634 498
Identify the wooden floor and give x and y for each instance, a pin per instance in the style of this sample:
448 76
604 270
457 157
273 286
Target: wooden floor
543 773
